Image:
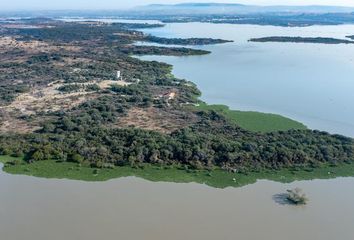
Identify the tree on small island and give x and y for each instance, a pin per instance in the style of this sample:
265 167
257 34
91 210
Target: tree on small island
296 196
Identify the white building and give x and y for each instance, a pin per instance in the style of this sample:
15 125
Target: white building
119 75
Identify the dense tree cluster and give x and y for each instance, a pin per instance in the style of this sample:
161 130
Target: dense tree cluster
209 143
9 92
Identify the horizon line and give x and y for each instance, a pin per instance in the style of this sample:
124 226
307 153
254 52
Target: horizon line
164 4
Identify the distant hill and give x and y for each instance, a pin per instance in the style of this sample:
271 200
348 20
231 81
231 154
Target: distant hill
230 8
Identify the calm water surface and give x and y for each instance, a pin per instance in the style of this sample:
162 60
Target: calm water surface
312 83
132 208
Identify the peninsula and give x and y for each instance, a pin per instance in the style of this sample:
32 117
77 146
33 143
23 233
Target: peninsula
75 104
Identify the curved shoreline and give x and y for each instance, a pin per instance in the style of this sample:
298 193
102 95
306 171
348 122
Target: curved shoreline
255 121
216 178
312 116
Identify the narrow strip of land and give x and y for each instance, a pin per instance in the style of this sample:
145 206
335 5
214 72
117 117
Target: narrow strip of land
185 41
320 40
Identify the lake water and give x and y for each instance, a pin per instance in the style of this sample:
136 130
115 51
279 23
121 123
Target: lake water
131 208
311 83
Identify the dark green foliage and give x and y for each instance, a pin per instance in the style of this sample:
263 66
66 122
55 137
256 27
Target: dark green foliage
184 41
92 88
70 31
9 92
211 142
70 88
99 112
173 51
127 90
44 58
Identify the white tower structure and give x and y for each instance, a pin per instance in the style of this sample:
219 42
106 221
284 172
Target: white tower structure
119 75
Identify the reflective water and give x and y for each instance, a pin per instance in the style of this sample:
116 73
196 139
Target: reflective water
132 208
267 77
312 83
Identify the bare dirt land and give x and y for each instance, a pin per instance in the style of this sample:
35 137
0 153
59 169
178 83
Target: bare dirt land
8 44
43 100
155 119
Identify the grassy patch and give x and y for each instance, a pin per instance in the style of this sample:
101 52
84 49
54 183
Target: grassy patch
5 159
255 121
216 178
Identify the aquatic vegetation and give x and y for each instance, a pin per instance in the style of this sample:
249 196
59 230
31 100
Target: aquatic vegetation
296 196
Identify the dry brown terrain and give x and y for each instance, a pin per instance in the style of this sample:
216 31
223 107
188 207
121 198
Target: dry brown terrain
44 100
24 113
8 44
161 120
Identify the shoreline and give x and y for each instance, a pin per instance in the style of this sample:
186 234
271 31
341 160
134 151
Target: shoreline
216 178
255 121
319 122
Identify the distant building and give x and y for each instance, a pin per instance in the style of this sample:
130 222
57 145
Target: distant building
119 75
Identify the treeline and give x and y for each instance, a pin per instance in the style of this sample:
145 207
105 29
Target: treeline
210 143
166 51
138 25
69 32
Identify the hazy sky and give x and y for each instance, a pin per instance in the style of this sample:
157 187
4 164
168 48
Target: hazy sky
117 4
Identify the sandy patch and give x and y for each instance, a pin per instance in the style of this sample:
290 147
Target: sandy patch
8 44
165 121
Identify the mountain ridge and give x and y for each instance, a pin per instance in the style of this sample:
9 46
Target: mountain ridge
242 8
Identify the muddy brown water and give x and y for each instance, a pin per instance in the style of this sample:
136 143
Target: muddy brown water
132 208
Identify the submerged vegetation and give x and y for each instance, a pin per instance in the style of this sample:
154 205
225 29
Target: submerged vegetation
173 173
255 121
296 196
78 120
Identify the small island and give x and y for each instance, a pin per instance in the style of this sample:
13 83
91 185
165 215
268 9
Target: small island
320 40
296 196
